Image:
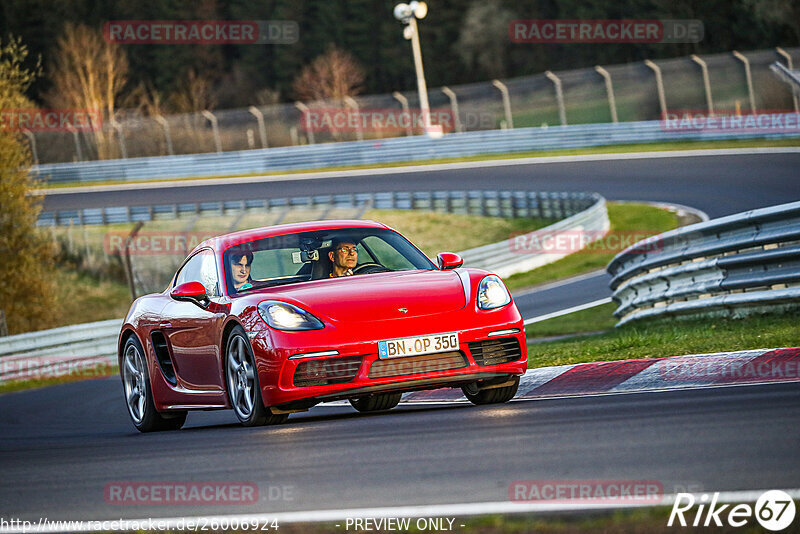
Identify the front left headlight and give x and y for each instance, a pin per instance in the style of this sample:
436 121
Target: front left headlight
492 293
285 316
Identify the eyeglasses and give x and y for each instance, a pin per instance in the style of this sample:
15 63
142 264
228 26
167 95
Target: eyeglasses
347 250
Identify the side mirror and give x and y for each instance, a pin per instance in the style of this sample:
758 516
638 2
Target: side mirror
193 292
448 260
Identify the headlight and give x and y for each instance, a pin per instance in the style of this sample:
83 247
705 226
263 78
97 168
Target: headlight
492 293
283 316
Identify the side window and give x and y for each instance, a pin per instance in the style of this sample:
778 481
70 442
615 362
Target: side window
201 268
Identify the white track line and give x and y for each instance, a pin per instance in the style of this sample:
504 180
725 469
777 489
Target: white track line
559 313
417 168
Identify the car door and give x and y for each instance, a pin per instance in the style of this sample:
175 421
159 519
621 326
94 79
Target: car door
194 333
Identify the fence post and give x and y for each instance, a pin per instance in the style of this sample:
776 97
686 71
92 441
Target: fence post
3 325
562 113
167 137
215 127
78 151
120 137
506 102
706 83
32 139
304 109
128 266
612 103
662 101
457 127
262 129
749 78
786 55
350 102
404 104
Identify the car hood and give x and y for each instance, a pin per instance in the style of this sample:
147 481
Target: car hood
379 296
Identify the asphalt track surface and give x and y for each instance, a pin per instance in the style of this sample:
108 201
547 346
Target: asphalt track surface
61 446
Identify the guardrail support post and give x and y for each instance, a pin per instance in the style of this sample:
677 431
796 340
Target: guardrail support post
562 112
167 137
215 127
350 102
120 137
262 129
506 102
749 78
304 110
32 139
662 101
788 58
706 82
128 266
404 104
78 151
612 104
457 127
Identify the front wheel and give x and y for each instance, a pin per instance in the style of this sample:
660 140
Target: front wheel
376 403
495 395
244 391
139 394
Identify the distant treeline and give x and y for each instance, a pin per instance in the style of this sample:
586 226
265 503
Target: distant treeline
462 40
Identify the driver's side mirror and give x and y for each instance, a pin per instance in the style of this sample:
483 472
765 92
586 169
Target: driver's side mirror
193 292
448 260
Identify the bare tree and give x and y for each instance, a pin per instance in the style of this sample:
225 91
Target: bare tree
484 37
89 73
194 94
331 76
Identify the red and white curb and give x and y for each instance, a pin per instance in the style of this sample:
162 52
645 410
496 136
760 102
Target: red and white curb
653 374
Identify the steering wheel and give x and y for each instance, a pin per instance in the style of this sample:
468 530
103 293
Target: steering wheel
367 268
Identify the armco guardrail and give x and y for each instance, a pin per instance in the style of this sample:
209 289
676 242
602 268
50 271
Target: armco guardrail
62 350
735 265
399 149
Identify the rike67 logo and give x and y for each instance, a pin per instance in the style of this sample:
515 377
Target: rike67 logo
774 510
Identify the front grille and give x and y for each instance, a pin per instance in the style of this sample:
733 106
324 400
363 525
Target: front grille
416 365
495 351
327 371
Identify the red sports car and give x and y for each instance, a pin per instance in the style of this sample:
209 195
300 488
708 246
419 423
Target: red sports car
276 320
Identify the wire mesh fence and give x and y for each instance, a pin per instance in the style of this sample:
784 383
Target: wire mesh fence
534 102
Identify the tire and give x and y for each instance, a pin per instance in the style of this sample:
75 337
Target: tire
241 379
376 403
139 395
493 395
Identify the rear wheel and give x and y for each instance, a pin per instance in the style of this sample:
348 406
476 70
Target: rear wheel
376 403
495 395
244 390
139 394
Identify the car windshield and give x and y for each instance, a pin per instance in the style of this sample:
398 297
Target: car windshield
305 256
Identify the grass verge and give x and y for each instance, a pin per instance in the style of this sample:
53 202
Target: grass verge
615 149
625 218
19 385
673 337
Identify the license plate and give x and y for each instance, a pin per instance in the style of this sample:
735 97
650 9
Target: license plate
413 346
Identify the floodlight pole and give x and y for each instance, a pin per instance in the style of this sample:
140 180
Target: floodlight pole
408 14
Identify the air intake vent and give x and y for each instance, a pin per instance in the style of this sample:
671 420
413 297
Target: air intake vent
327 371
416 365
162 356
495 351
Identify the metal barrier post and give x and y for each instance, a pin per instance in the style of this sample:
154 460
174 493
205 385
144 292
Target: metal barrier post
506 102
215 127
304 110
749 78
262 129
404 104
167 137
562 113
457 127
120 137
78 151
706 82
612 104
32 139
662 101
788 58
350 102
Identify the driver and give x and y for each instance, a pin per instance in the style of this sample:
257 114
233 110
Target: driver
343 256
240 269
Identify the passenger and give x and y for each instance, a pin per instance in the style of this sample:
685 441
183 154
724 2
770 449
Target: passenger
240 270
343 256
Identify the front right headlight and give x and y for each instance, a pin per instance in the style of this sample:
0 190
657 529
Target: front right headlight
492 293
285 316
